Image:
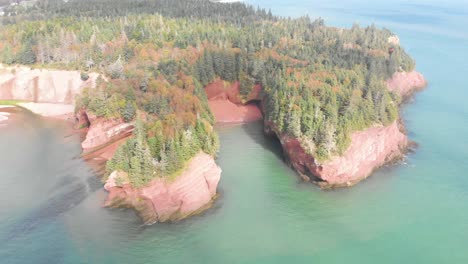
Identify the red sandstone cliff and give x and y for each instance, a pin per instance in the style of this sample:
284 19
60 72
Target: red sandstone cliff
53 93
227 105
406 83
369 149
161 201
102 131
222 90
227 112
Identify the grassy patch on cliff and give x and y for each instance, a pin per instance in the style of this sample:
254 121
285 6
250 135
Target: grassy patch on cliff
9 102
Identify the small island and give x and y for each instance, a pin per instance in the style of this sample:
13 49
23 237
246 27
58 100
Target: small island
148 80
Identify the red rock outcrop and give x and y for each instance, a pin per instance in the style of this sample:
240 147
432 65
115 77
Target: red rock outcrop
225 111
406 83
220 89
53 92
102 131
229 107
160 200
369 149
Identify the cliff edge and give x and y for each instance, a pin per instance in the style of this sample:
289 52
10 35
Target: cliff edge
406 83
369 149
42 85
227 105
52 93
161 200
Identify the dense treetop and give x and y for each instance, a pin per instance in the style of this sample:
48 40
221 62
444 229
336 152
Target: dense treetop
319 83
236 13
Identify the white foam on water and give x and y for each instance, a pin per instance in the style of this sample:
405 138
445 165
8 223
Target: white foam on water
4 116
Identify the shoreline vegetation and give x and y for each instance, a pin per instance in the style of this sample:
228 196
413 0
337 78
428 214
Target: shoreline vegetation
316 85
4 103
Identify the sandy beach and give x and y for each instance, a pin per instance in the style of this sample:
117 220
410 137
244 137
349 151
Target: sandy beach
4 115
49 109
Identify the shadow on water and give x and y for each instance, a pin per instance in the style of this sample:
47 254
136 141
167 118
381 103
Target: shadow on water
272 144
67 185
269 142
71 192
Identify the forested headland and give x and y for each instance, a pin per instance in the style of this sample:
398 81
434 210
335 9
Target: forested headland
319 83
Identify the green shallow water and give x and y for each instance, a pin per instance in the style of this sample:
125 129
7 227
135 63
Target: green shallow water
50 200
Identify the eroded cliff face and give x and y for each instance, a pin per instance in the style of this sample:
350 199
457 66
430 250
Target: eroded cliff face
227 105
222 90
52 93
406 83
369 149
161 201
227 112
42 85
101 131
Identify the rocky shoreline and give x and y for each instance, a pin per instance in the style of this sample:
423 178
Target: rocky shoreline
195 188
164 200
406 83
51 93
369 150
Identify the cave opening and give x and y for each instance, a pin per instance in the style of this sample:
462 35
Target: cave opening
82 120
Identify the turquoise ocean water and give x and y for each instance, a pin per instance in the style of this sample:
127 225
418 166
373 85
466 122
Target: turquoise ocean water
417 212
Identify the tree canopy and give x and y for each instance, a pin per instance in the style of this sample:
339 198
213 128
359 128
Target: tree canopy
319 83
